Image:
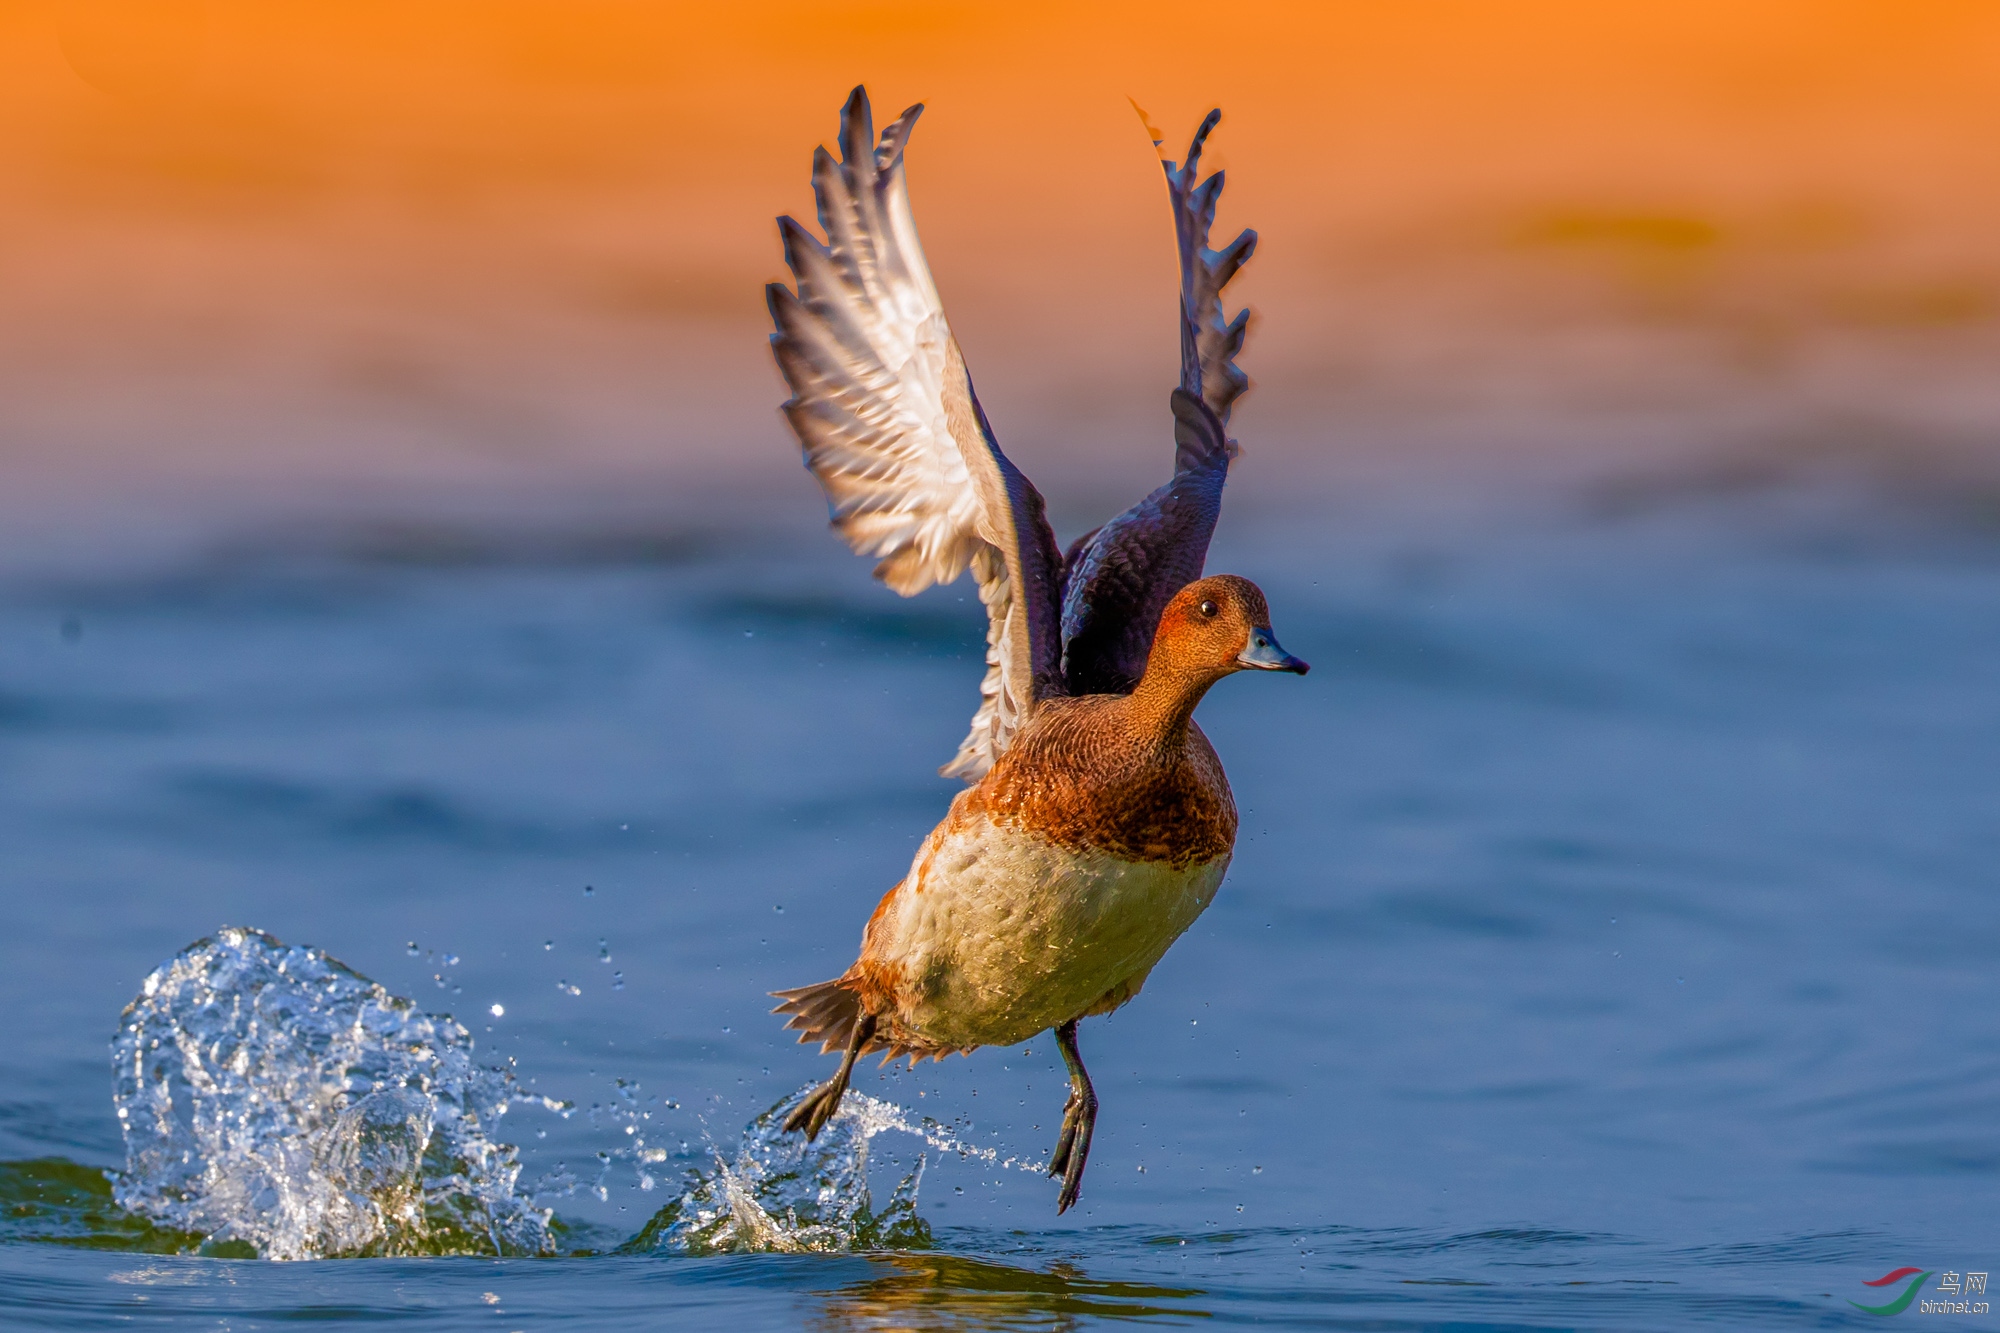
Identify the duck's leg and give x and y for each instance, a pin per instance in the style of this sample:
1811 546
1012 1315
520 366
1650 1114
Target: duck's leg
1079 1119
812 1114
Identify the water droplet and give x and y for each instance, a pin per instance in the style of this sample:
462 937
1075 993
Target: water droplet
498 1010
412 948
548 945
588 891
1256 1170
617 981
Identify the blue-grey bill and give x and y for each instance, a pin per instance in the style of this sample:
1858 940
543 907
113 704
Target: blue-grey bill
1265 654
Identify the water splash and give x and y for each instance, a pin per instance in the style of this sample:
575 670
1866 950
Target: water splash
778 1192
274 1102
274 1098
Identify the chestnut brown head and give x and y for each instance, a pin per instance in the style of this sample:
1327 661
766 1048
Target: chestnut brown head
1218 625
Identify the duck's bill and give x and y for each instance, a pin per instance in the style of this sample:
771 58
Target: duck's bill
1263 653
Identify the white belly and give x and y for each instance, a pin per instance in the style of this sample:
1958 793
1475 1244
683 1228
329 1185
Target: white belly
1000 934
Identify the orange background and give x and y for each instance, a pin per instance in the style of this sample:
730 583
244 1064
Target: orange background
305 253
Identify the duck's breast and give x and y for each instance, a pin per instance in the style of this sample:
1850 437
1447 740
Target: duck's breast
1000 932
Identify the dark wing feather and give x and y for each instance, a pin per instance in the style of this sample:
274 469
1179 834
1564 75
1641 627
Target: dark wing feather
1209 342
1119 579
885 412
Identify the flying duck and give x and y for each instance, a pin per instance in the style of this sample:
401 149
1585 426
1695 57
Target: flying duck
1097 822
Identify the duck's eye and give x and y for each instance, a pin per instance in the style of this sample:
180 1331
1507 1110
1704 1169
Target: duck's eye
1208 609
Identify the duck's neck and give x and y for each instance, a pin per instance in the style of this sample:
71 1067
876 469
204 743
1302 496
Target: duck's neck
1162 705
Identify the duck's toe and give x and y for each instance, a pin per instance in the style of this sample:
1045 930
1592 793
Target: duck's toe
1073 1149
1073 1145
1066 1140
1079 1119
812 1114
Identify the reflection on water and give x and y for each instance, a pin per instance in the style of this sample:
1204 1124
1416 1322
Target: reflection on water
54 1201
942 1291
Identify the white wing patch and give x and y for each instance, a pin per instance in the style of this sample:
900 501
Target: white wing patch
885 413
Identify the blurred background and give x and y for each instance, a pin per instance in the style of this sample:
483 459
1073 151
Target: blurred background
401 551
275 258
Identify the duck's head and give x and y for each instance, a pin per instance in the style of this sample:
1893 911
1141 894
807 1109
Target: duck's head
1218 625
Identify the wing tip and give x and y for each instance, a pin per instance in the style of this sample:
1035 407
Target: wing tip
1153 132
776 298
1183 174
896 138
1211 337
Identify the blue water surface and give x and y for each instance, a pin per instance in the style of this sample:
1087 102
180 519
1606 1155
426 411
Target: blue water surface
1612 941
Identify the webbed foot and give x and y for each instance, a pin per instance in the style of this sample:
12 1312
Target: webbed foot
812 1114
1079 1121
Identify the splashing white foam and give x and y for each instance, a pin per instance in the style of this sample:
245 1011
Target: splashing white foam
778 1192
271 1096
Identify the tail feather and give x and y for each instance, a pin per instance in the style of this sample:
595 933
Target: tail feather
827 1012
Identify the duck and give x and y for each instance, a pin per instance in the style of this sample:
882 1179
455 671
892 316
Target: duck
1097 822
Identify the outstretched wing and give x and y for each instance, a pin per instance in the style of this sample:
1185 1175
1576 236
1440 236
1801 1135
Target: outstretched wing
884 409
1119 579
